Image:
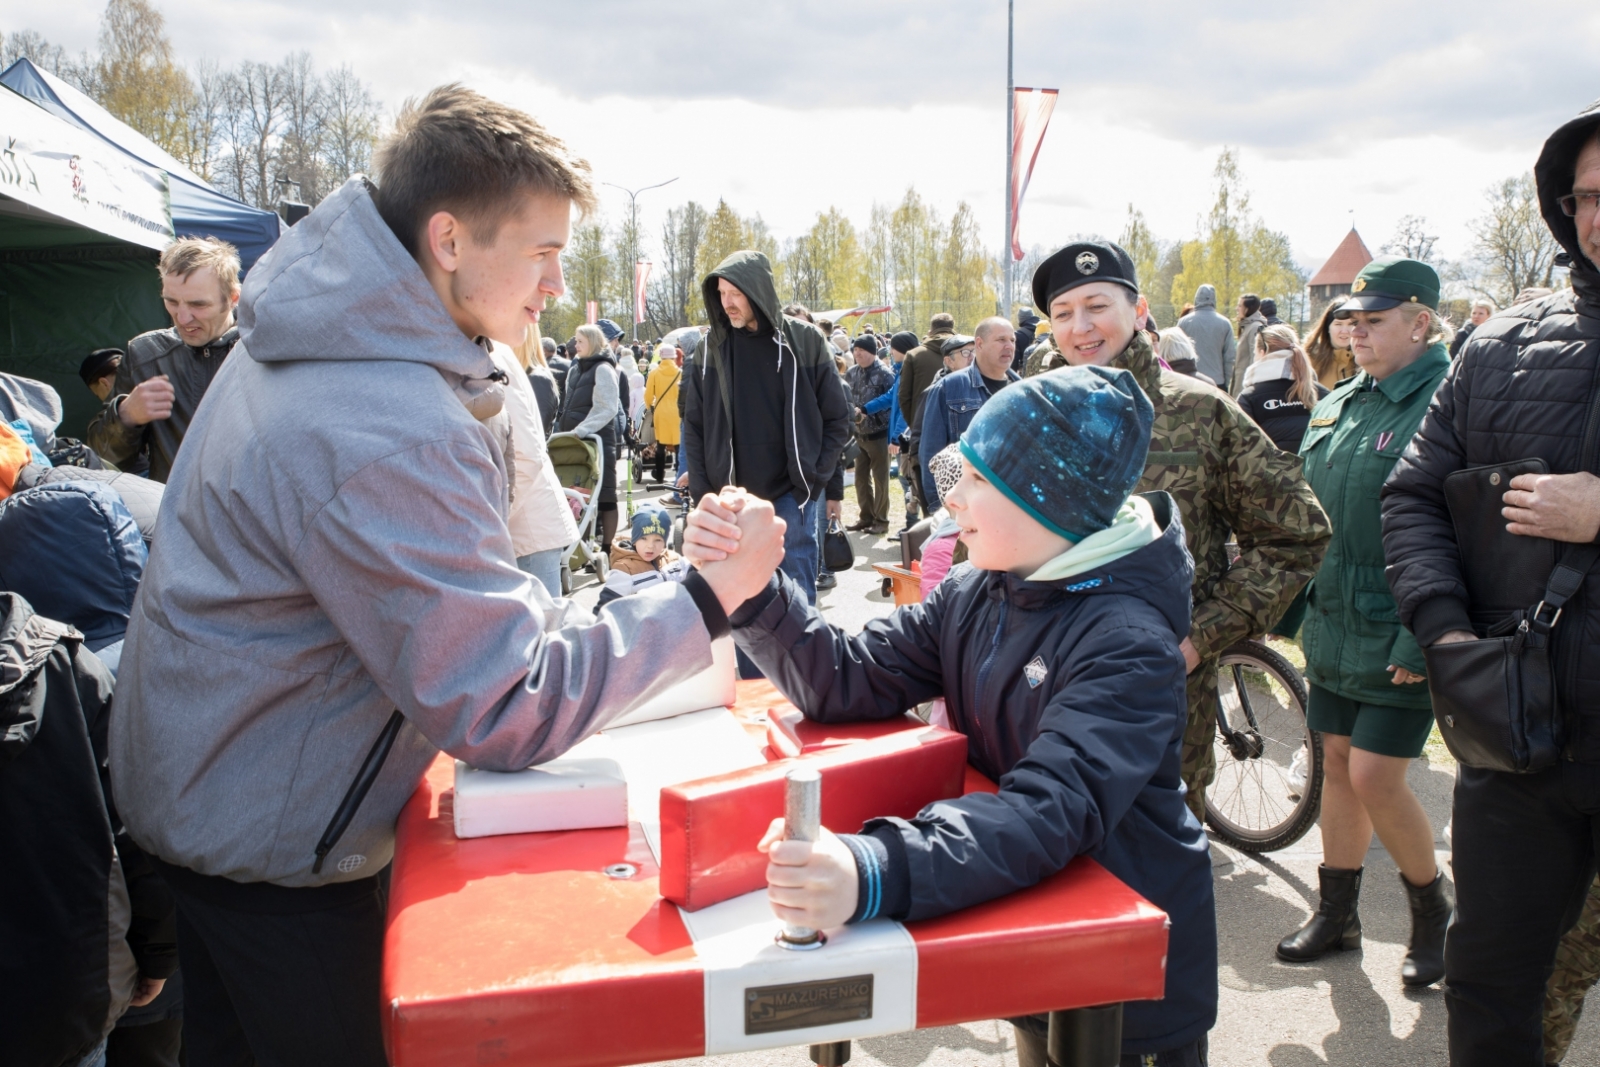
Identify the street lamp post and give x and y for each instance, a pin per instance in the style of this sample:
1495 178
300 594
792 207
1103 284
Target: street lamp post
633 234
1011 148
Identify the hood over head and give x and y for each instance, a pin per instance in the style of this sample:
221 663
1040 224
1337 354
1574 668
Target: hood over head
339 287
1554 173
1205 297
751 271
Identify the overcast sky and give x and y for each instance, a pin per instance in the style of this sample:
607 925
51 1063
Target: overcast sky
1370 109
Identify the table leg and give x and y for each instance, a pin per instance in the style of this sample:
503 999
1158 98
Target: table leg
831 1054
1085 1037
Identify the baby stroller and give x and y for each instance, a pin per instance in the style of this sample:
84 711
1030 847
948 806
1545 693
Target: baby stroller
577 463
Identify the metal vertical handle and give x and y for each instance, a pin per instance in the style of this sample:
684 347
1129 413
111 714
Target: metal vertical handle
802 821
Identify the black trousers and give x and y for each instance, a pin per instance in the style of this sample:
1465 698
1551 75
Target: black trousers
1524 857
153 1044
280 977
1031 1051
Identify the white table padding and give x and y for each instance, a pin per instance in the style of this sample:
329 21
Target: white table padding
666 752
734 942
582 790
714 687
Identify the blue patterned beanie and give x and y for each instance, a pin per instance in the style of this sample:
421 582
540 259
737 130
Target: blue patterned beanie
652 522
1067 447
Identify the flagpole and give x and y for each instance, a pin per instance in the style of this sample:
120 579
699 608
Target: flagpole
1011 133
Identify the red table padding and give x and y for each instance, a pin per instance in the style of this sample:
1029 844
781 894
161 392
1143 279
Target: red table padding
518 950
709 827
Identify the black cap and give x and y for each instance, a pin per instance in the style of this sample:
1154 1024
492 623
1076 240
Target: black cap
903 342
955 343
1079 264
98 364
867 342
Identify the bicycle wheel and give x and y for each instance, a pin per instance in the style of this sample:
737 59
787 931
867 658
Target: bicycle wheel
1256 802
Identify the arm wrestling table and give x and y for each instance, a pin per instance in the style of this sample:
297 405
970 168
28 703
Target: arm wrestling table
523 949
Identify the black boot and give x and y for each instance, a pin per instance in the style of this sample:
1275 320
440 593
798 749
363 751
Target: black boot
1431 908
1336 925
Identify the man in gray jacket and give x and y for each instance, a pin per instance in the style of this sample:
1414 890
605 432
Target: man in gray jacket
335 597
1212 335
1251 323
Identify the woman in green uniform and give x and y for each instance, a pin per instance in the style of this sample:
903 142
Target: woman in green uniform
1368 696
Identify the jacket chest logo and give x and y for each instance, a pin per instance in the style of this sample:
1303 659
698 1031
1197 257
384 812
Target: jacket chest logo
1035 672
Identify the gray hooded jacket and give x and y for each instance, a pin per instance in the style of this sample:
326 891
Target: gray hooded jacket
333 546
1212 335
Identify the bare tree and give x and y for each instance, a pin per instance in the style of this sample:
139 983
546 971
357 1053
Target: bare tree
46 56
299 153
350 125
1411 239
251 126
681 236
1513 242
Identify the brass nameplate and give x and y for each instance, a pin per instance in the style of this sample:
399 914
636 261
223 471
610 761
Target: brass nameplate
769 1009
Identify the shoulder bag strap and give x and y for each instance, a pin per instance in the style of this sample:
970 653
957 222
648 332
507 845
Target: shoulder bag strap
1576 560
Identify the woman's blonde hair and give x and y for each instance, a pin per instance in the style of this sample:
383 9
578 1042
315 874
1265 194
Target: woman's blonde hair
531 350
591 333
1281 337
1439 329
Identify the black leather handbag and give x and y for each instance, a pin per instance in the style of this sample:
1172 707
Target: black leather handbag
1495 698
837 553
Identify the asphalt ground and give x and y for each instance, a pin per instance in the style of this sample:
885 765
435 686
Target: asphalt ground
1346 1009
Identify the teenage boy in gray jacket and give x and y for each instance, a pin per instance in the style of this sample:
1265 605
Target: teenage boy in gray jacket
335 586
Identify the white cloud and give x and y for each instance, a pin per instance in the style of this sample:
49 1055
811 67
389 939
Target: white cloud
1381 107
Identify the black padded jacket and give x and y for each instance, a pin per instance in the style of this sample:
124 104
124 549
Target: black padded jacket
1521 388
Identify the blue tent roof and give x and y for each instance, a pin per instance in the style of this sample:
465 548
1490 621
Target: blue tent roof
198 210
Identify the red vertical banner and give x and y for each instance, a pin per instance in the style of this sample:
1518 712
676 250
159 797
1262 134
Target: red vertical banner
641 278
592 310
1032 111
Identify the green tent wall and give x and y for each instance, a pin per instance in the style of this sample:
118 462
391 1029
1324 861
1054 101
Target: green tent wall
64 292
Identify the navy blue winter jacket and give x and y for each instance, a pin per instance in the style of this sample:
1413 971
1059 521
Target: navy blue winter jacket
1071 694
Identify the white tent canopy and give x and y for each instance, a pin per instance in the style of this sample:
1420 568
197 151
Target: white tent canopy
52 170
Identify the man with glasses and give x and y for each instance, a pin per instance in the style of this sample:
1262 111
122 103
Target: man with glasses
1524 844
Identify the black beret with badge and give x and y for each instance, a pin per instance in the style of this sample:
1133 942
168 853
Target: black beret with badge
1079 264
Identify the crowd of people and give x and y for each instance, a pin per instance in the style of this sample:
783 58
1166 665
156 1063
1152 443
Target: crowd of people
298 505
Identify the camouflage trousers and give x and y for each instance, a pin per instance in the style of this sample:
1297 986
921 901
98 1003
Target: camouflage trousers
1199 737
1577 967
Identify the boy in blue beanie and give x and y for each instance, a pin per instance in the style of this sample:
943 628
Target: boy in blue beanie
1056 650
644 560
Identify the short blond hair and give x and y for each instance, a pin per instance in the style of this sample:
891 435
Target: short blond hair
188 254
456 150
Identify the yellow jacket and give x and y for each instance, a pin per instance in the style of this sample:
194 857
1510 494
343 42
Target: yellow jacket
661 392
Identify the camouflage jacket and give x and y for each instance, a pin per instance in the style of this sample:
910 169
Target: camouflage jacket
1045 356
1228 477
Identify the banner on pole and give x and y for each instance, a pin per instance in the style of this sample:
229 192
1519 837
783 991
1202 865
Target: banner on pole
641 276
592 310
1032 109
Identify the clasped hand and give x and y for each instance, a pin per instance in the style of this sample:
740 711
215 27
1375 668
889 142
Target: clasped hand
736 541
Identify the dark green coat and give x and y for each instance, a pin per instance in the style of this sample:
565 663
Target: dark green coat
1352 629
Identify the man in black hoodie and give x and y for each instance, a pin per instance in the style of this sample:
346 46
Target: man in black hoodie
764 407
1523 387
